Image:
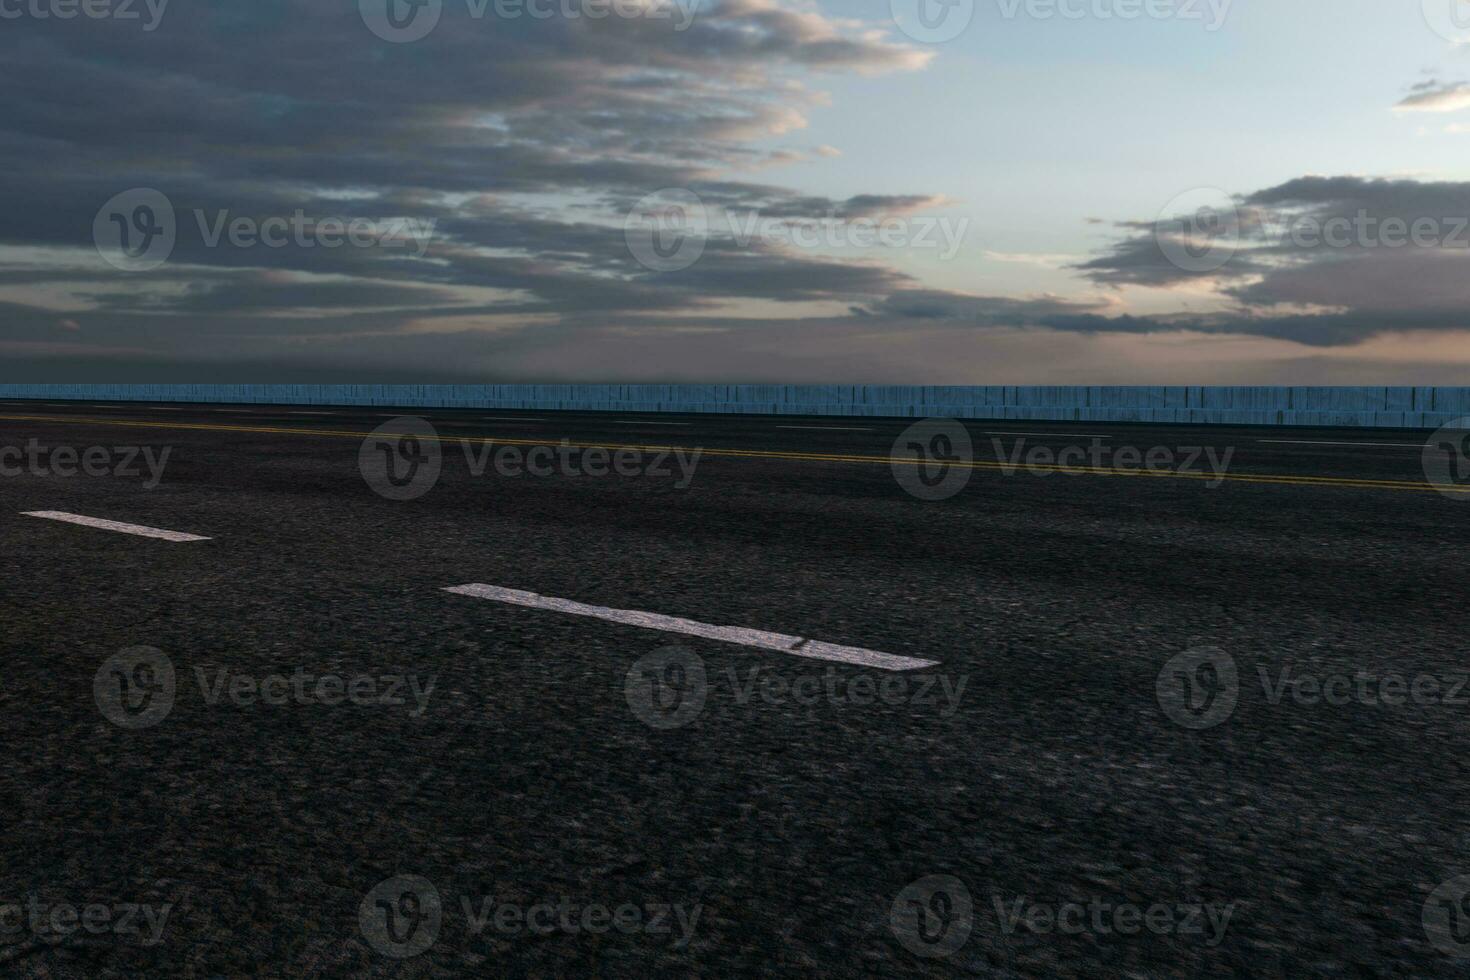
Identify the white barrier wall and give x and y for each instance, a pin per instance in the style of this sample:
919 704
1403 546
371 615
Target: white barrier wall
1412 408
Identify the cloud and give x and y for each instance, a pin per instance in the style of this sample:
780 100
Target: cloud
1433 96
1321 261
520 144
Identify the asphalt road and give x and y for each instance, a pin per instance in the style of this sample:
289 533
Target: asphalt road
1067 721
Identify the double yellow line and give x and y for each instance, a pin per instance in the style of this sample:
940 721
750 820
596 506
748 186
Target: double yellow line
776 454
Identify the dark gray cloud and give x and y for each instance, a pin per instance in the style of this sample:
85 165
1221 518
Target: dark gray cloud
1321 261
520 145
522 141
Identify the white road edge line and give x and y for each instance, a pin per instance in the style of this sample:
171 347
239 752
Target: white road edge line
97 522
1380 445
794 645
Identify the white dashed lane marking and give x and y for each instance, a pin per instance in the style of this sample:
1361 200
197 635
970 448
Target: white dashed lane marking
1377 445
828 428
1063 435
97 522
779 642
641 422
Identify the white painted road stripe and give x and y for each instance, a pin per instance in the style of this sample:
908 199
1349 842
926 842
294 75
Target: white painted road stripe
1064 435
828 428
1382 445
760 639
140 531
640 422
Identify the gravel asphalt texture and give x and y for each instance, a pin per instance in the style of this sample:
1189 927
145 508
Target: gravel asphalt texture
1067 771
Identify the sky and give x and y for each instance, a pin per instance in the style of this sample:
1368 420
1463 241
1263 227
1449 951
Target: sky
884 191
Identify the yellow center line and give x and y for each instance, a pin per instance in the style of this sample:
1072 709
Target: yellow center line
775 454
